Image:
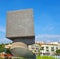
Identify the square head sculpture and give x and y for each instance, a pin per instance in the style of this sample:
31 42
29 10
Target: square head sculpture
20 23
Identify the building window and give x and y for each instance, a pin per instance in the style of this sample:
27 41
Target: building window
47 50
56 48
52 48
42 48
47 47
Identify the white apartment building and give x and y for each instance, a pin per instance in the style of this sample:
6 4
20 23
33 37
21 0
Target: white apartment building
48 49
44 48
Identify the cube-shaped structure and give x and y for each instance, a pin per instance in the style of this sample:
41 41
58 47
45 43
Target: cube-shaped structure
20 24
20 29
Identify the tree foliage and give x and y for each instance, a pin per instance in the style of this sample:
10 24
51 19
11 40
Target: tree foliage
2 48
58 52
7 51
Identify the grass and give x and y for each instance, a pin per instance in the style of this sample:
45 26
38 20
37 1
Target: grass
45 57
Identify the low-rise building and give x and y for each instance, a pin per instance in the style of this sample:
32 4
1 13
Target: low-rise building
48 49
44 48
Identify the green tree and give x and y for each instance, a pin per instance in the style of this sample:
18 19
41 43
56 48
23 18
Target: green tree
7 51
58 52
2 48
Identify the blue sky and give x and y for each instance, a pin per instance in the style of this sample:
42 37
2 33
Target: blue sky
46 17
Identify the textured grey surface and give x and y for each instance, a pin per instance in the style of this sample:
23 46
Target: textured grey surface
20 23
27 40
18 44
22 52
20 49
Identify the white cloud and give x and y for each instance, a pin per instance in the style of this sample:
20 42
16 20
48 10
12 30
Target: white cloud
4 40
2 29
2 35
48 37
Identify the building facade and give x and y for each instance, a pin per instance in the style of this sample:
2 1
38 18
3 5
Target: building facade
48 49
45 48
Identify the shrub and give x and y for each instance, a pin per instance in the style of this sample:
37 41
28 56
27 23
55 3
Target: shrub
58 52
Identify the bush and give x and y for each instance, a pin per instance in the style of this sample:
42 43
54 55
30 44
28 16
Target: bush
2 48
7 51
58 52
